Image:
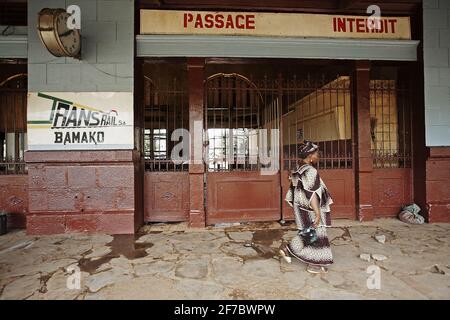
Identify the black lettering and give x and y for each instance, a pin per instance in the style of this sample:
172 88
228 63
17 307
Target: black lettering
92 137
84 138
58 137
101 137
103 122
72 118
67 138
84 117
95 118
61 115
75 137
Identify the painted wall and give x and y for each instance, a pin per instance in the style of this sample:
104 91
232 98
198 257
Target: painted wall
107 28
14 199
436 15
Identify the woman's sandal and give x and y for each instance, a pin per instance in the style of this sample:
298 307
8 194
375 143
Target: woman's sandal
285 256
314 269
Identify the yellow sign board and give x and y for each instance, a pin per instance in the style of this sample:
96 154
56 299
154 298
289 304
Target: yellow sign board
273 24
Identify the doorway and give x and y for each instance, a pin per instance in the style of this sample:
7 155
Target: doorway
241 120
267 108
255 114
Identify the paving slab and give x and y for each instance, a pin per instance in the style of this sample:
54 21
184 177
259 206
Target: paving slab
228 262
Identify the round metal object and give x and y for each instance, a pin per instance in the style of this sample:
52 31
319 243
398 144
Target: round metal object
59 40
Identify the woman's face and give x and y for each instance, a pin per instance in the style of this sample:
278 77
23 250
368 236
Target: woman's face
314 157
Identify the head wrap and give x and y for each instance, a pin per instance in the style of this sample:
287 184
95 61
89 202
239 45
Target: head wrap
306 148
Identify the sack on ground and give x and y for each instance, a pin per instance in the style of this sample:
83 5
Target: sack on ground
410 214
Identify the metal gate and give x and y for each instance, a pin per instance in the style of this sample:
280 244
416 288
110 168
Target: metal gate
241 119
319 109
13 124
390 117
238 109
253 127
166 108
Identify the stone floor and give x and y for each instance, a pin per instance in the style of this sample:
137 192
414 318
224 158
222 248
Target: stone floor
228 262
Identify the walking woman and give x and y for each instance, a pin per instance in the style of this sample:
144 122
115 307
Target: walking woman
311 202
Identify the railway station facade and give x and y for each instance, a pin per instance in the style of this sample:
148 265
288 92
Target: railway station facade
193 110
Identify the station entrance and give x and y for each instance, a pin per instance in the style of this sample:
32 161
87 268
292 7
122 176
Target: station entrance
255 113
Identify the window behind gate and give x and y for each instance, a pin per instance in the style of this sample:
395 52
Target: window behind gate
242 123
13 127
390 118
318 108
311 105
166 112
240 108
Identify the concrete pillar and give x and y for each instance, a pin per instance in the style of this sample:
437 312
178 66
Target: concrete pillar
196 167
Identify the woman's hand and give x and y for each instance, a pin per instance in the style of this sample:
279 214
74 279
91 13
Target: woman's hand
315 206
317 221
290 204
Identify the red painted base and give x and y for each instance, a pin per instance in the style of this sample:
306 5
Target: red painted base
44 224
95 192
82 192
14 199
437 184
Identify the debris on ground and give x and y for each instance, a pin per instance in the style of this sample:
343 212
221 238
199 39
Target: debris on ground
248 244
378 257
365 257
437 269
227 224
380 238
25 245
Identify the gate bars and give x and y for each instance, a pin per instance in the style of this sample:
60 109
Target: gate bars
240 116
390 120
13 119
239 108
166 108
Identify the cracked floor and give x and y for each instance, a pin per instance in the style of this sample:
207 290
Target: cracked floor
169 261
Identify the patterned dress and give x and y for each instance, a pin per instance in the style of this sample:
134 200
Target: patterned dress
305 182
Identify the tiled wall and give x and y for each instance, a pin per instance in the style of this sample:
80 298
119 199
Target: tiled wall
437 71
107 28
437 107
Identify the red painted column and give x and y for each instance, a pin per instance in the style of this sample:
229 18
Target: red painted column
437 182
362 145
196 167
